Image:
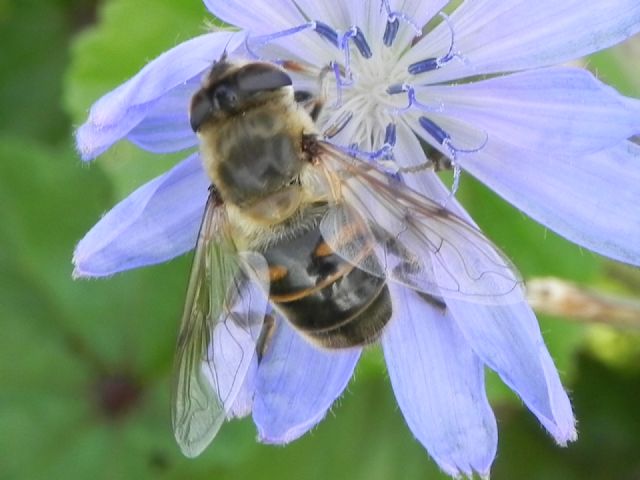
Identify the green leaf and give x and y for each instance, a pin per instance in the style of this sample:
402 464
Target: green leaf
365 437
63 339
34 36
110 53
619 67
127 36
605 401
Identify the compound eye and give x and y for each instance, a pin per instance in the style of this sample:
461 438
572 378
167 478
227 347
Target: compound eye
200 110
225 98
261 77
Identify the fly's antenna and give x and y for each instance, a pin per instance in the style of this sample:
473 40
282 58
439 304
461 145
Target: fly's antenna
225 53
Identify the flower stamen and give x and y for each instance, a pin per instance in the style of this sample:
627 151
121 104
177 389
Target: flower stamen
341 82
393 23
444 139
326 31
386 150
413 101
435 63
381 158
390 31
356 35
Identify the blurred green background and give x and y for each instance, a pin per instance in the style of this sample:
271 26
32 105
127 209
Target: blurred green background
85 365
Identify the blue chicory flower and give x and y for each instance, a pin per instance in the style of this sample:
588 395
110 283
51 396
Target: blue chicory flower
480 87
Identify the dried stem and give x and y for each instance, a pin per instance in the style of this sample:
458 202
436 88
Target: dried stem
554 296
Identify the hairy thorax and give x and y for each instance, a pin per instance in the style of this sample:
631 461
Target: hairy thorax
256 161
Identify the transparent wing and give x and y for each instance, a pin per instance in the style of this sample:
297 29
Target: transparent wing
220 326
416 241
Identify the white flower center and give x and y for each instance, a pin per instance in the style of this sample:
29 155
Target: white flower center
361 95
367 86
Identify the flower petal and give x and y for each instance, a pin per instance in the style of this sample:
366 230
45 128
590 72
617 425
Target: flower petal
118 112
232 364
166 128
276 24
419 13
439 385
554 109
409 153
243 401
296 384
591 200
369 15
93 140
497 36
157 222
507 338
257 16
335 13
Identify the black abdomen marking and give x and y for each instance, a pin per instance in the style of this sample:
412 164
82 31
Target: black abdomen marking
329 300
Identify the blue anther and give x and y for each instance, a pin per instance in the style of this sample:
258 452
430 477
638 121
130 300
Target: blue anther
325 31
426 65
355 34
390 31
393 23
433 63
435 131
390 135
361 43
444 139
396 88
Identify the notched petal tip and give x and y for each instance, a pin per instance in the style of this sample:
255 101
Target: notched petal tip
566 434
296 385
457 472
439 384
81 261
287 436
86 148
290 434
78 274
92 139
81 273
508 340
154 224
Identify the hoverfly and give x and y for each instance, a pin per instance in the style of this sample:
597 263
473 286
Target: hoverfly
296 224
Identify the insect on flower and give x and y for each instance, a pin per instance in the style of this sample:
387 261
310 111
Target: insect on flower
326 227
320 230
